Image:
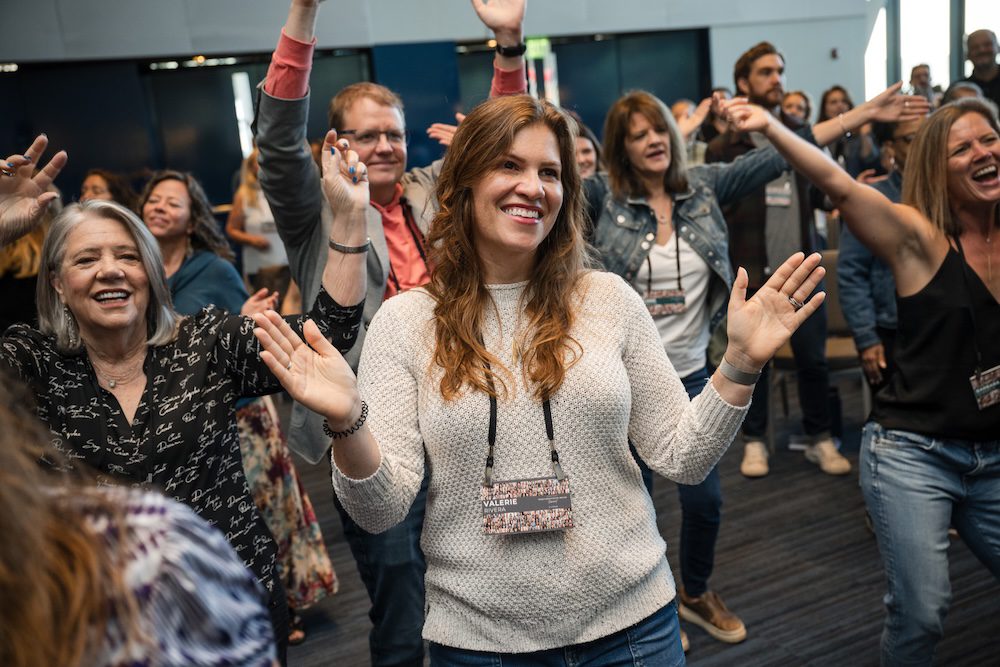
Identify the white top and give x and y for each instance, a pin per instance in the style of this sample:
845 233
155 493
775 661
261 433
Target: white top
519 593
258 220
685 335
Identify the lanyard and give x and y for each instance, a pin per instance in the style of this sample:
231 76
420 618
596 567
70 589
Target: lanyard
649 266
492 437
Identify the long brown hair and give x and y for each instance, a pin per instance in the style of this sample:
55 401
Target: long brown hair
60 581
926 170
477 149
622 176
206 234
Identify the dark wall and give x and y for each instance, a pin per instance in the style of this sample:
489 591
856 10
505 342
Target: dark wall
426 77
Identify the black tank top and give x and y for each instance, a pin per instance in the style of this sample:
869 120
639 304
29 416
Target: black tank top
930 392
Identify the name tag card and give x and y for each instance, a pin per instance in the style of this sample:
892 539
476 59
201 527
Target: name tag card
986 387
662 302
778 193
526 506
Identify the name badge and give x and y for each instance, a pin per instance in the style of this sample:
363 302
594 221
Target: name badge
778 194
986 387
661 302
526 506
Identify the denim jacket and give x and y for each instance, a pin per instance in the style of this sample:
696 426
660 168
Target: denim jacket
626 230
867 288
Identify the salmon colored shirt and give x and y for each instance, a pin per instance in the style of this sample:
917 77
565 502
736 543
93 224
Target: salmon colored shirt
407 264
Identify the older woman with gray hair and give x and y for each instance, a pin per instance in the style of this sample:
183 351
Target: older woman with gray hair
134 390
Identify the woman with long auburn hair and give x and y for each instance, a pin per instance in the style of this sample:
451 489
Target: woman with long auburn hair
517 378
930 451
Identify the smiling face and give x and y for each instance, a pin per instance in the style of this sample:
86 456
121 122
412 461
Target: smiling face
101 278
377 129
647 146
982 48
973 161
586 157
167 211
516 204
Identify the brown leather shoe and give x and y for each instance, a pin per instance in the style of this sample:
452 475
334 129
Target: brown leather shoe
709 613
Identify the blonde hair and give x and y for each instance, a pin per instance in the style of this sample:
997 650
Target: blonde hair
249 181
926 170
477 149
622 176
22 258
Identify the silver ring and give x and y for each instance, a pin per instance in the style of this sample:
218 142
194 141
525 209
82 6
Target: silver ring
289 366
798 305
906 104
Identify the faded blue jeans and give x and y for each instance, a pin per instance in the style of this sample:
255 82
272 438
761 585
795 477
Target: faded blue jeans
652 642
915 487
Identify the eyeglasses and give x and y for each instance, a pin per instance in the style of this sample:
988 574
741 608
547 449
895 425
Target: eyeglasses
369 138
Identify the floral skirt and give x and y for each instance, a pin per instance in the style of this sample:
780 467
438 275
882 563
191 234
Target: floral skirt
305 566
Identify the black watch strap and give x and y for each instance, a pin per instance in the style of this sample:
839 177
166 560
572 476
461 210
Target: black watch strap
512 51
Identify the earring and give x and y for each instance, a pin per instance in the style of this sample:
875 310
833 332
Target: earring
71 328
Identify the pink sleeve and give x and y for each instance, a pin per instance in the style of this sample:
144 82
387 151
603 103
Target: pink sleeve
508 81
288 74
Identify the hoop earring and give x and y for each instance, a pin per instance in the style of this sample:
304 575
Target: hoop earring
71 328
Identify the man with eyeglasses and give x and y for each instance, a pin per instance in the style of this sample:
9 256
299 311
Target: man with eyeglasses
403 204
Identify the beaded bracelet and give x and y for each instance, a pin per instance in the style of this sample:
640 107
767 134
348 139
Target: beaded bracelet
351 431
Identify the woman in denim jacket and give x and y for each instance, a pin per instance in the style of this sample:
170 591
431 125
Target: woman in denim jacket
647 194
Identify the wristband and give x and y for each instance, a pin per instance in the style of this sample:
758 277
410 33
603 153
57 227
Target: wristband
351 431
734 374
512 51
351 249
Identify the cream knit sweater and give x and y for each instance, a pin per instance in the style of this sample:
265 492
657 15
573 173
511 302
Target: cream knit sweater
520 593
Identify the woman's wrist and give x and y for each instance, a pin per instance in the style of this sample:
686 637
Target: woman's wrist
357 413
742 362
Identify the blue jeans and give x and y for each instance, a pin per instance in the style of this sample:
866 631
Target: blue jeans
813 374
392 568
701 512
653 642
915 486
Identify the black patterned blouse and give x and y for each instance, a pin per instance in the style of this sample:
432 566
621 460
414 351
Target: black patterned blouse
183 439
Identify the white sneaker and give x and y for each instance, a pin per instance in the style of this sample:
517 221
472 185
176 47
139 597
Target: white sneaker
824 454
754 459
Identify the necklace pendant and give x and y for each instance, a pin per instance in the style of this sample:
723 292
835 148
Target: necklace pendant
111 384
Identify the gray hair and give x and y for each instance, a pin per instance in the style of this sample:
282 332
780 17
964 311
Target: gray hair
55 319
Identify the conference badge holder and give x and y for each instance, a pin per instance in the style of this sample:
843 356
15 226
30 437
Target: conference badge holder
986 387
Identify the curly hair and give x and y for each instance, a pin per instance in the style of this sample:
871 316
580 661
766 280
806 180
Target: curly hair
457 285
206 234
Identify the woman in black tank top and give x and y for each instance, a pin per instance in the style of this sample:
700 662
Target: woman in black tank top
931 452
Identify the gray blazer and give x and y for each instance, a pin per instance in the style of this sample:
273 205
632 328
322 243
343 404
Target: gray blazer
291 182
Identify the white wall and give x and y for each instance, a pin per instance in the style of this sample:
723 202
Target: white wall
806 30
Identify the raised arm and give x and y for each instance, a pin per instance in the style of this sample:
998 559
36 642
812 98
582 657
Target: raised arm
506 19
887 229
23 193
888 106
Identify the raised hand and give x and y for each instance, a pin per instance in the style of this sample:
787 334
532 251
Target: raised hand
345 177
890 106
743 116
503 17
259 301
24 194
690 125
314 374
444 132
758 327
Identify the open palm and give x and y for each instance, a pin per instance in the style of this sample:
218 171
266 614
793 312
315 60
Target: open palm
314 374
500 15
24 194
759 326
